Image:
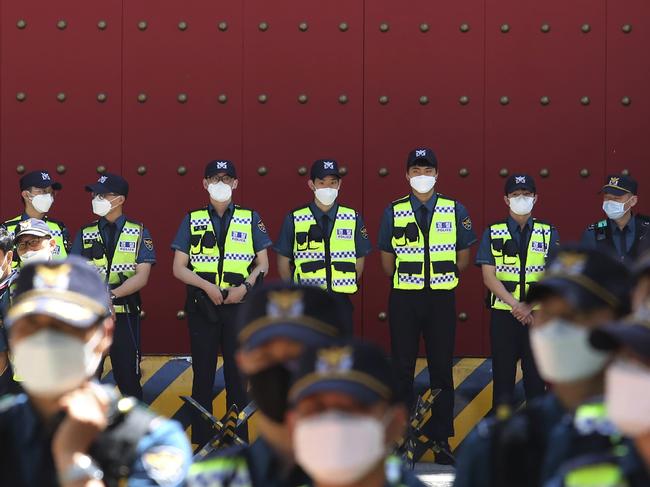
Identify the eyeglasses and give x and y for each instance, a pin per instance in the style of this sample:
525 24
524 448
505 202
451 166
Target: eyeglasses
32 244
220 179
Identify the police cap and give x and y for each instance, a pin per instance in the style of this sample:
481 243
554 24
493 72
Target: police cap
38 179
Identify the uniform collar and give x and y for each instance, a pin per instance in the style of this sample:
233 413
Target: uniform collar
119 223
429 204
630 227
25 216
513 226
318 213
213 211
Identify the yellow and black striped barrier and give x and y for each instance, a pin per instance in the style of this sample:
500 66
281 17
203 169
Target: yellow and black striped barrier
165 379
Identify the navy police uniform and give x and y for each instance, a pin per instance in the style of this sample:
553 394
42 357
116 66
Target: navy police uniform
428 312
509 337
628 242
325 223
108 245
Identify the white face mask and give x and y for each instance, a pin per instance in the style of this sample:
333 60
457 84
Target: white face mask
522 205
338 448
563 353
51 363
326 196
627 397
220 191
41 255
423 184
614 209
42 202
102 206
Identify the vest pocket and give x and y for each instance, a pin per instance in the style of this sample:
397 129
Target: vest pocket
412 233
233 278
410 268
301 240
444 267
312 266
510 286
344 266
195 241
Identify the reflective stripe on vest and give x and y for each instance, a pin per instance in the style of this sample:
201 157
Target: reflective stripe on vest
233 471
508 268
408 243
598 475
205 256
55 229
310 257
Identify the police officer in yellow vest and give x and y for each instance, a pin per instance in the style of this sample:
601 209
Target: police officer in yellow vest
425 239
37 189
220 253
513 254
123 252
324 243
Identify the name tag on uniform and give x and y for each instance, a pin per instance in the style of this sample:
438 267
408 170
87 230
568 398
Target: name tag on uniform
127 247
199 228
238 236
443 226
538 247
344 233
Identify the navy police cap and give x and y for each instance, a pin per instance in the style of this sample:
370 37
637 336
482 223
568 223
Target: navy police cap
38 179
109 183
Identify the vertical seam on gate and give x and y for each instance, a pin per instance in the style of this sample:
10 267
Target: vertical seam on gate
122 89
606 97
243 90
363 141
485 82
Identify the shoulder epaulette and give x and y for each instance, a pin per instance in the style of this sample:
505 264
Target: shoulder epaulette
401 200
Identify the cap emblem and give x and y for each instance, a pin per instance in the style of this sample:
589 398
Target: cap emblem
614 181
337 359
102 179
571 263
45 176
421 153
222 165
328 165
285 304
520 179
52 277
25 225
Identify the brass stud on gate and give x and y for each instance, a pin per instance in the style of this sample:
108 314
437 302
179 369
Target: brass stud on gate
544 172
262 171
384 27
503 172
463 316
142 25
424 100
142 170
223 26
383 172
263 26
585 100
343 99
424 27
626 101
545 28
181 170
463 172
463 100
182 98
61 97
262 98
464 28
627 28
343 26
505 28
586 28
504 100
343 170
584 173
180 315
100 169
142 97
102 24
143 314
223 98
21 96
101 97
382 316
61 24
303 26
625 172
60 169
302 99
182 25
383 100
545 100
21 24
20 168
302 171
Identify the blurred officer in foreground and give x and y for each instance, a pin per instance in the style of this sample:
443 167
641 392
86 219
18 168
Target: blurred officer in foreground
37 190
219 253
68 430
324 243
513 255
277 324
122 251
582 289
7 276
346 418
424 241
623 233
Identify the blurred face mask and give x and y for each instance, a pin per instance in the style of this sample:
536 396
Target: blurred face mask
627 397
326 196
42 202
31 256
339 448
269 388
563 353
423 184
220 191
51 363
614 209
522 205
102 206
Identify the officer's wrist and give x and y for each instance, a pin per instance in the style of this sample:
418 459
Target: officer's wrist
78 469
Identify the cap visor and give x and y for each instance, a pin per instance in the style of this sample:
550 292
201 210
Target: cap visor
614 191
46 184
573 292
293 331
65 310
361 393
616 335
517 187
422 161
35 232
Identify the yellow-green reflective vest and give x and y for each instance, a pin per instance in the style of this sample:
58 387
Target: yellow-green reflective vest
412 253
508 264
56 229
125 256
326 262
227 267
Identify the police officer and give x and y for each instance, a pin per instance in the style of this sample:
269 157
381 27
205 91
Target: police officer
277 324
220 253
346 416
325 243
38 190
624 233
581 290
123 252
34 241
513 254
68 430
425 239
7 276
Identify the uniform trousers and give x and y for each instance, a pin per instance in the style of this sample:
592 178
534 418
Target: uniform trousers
431 314
125 354
346 309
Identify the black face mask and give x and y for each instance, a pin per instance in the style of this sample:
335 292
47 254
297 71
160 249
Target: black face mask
269 389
